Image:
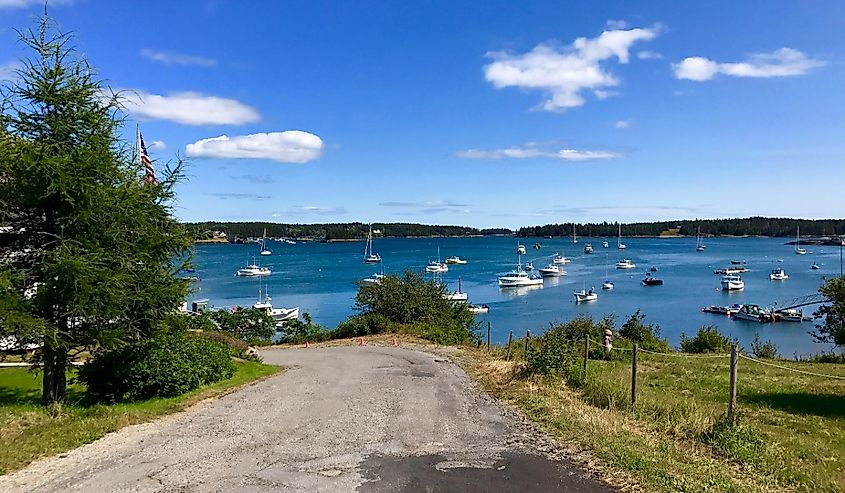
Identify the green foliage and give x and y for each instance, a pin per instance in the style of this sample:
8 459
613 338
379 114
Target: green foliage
334 231
165 365
247 324
735 441
411 300
828 358
90 252
298 331
764 349
560 349
707 340
237 348
647 336
363 325
832 327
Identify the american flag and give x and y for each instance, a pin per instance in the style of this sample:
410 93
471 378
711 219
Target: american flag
146 162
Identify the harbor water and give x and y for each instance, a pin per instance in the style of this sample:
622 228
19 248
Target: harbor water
320 279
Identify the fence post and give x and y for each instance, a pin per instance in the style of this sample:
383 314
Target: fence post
732 391
488 336
634 379
586 352
527 338
510 338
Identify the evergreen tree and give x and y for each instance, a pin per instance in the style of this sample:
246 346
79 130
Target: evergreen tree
88 252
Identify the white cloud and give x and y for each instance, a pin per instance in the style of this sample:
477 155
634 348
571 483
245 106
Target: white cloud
564 73
425 203
188 108
7 70
649 55
622 124
159 145
301 210
602 94
173 58
13 4
534 151
784 62
290 146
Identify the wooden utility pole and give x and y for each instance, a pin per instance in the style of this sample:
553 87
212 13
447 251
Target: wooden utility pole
634 379
732 391
527 340
586 352
510 338
488 336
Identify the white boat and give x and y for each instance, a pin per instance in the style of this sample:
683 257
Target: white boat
289 241
815 266
753 313
478 308
253 270
790 315
560 260
584 295
588 248
778 275
606 284
264 251
437 267
458 295
455 260
374 279
519 278
699 242
625 264
619 244
369 256
605 244
798 249
552 270
520 249
574 238
278 315
732 283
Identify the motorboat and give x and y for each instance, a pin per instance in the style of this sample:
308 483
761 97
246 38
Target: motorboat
730 271
552 270
815 266
605 244
520 249
625 264
721 310
253 270
789 315
732 283
619 244
436 267
264 250
519 278
798 249
478 308
458 295
753 313
584 295
778 275
279 315
588 248
650 280
289 241
607 284
369 256
559 259
455 260
374 279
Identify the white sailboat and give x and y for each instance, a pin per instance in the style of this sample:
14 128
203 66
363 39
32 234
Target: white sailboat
606 284
437 267
699 241
458 295
619 244
574 238
798 249
264 251
369 256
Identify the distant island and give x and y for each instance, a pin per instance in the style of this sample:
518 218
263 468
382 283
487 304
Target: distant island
234 232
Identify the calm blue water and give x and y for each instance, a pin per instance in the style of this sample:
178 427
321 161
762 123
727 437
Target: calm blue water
319 278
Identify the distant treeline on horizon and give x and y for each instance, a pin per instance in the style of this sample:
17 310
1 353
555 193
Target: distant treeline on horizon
751 226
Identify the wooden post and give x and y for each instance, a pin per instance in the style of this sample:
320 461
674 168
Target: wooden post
527 339
634 379
488 336
510 338
586 352
732 391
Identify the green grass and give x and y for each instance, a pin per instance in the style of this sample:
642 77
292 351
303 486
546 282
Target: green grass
790 436
29 431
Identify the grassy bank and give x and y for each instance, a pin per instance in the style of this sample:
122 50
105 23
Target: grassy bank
791 434
29 431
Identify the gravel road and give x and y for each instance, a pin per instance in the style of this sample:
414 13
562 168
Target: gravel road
366 419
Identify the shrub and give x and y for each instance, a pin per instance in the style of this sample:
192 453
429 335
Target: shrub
735 441
559 350
237 348
764 349
708 340
165 365
828 358
647 336
247 324
298 331
363 325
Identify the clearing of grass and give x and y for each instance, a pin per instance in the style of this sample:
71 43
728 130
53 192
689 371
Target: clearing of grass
790 434
29 431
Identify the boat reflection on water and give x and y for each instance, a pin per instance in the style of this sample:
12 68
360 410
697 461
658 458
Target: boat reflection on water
511 292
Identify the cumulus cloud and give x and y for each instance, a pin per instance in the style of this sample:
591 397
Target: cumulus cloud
173 58
535 151
158 145
565 73
785 62
649 55
188 108
290 146
622 124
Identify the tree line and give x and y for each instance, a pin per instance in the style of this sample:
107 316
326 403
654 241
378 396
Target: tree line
749 226
333 231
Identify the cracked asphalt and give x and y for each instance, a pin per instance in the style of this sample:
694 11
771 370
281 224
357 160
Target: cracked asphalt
369 419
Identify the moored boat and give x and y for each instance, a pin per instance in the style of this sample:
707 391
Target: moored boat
778 275
753 313
584 295
552 270
559 259
625 264
455 260
588 248
478 308
605 244
520 249
519 278
650 280
732 283
815 266
253 270
798 249
369 256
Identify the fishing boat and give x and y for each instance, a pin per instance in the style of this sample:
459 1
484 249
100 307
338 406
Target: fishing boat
552 270
520 249
560 260
436 266
815 266
574 238
778 275
458 296
374 279
253 270
584 295
798 249
605 244
650 280
619 244
519 278
625 264
478 308
455 260
753 313
588 248
264 250
279 315
369 256
732 283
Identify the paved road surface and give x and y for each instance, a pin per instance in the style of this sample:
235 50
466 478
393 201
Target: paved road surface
366 419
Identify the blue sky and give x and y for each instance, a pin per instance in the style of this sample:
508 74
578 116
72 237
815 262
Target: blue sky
477 113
